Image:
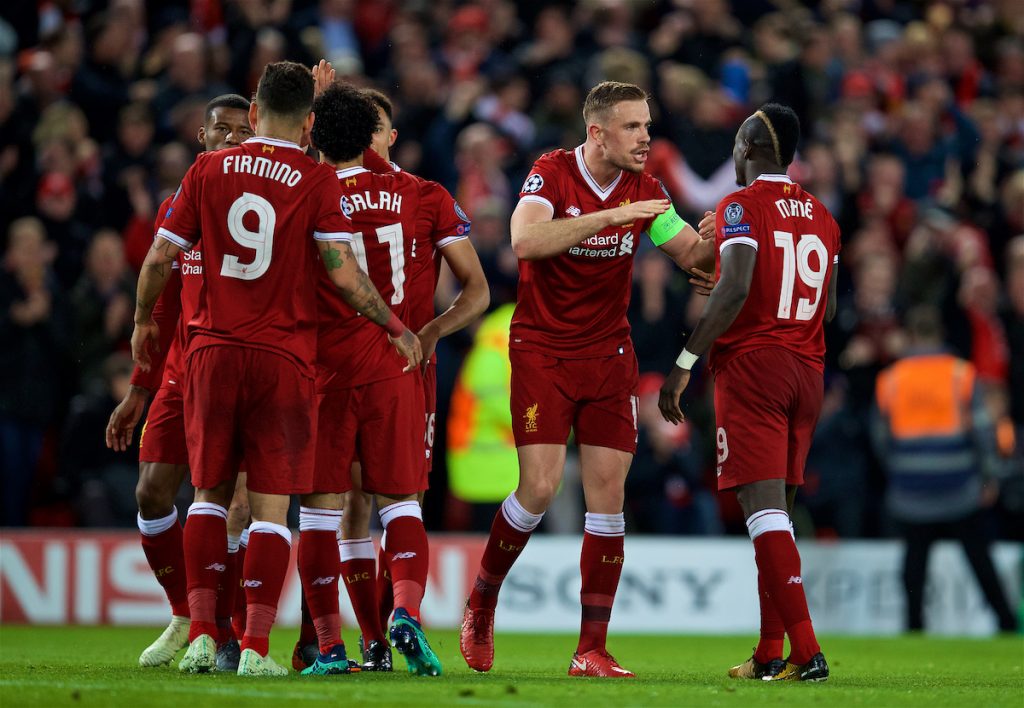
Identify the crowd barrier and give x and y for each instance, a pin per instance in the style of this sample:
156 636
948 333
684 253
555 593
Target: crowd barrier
669 585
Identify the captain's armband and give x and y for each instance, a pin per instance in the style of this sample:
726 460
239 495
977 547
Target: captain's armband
665 226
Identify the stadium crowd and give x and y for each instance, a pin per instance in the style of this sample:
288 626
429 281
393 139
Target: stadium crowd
913 125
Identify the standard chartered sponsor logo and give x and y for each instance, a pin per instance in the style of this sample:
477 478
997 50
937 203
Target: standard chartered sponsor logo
605 246
192 262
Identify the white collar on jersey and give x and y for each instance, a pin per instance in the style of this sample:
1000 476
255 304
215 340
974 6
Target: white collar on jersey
274 141
774 178
350 171
394 166
589 178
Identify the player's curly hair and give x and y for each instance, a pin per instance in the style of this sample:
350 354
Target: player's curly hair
285 89
778 131
345 121
227 100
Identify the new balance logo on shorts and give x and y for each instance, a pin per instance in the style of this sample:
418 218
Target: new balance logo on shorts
795 580
252 583
219 567
324 581
405 555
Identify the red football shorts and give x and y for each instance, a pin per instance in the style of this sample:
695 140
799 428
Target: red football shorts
242 402
430 405
381 424
597 398
162 438
767 403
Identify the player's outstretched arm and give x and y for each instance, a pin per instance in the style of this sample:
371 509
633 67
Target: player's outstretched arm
469 304
358 290
722 308
156 270
536 235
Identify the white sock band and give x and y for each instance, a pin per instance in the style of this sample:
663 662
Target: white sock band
605 524
517 516
767 520
791 531
315 519
153 527
209 509
396 511
233 543
383 538
267 527
356 548
243 540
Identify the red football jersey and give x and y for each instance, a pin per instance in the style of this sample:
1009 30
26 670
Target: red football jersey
258 209
574 304
391 215
797 243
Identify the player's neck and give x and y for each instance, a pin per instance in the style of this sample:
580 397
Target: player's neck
346 164
603 172
756 169
274 129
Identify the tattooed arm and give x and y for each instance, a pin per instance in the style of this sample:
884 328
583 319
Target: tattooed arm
156 270
358 291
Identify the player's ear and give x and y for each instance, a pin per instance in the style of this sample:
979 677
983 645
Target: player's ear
201 137
253 115
393 138
594 132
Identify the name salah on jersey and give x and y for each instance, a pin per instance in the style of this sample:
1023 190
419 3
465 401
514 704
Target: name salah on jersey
361 201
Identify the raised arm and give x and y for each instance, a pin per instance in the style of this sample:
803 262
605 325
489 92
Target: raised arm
536 235
358 290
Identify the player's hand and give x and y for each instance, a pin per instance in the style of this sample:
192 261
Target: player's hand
428 337
702 282
637 211
671 390
706 227
408 345
145 335
323 77
124 419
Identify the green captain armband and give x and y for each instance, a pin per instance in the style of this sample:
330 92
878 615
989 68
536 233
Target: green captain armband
665 226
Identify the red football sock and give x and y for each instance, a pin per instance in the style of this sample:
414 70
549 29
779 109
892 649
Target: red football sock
307 630
226 597
509 533
318 569
358 570
266 564
409 554
385 592
162 542
206 550
238 612
779 562
773 632
601 563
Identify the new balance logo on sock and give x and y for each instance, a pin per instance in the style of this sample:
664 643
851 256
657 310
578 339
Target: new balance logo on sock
405 555
795 580
324 581
219 567
252 583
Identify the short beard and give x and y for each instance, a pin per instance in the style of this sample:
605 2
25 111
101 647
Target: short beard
630 166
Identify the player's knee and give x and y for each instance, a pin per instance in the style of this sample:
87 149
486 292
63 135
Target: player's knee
152 498
540 490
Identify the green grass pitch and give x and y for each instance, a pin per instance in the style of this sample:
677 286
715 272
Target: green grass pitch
78 666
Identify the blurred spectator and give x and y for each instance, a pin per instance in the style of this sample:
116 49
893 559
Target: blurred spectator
35 331
656 311
1013 321
103 302
665 490
103 481
935 435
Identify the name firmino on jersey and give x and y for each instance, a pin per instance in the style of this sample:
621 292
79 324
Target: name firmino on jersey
262 167
359 201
